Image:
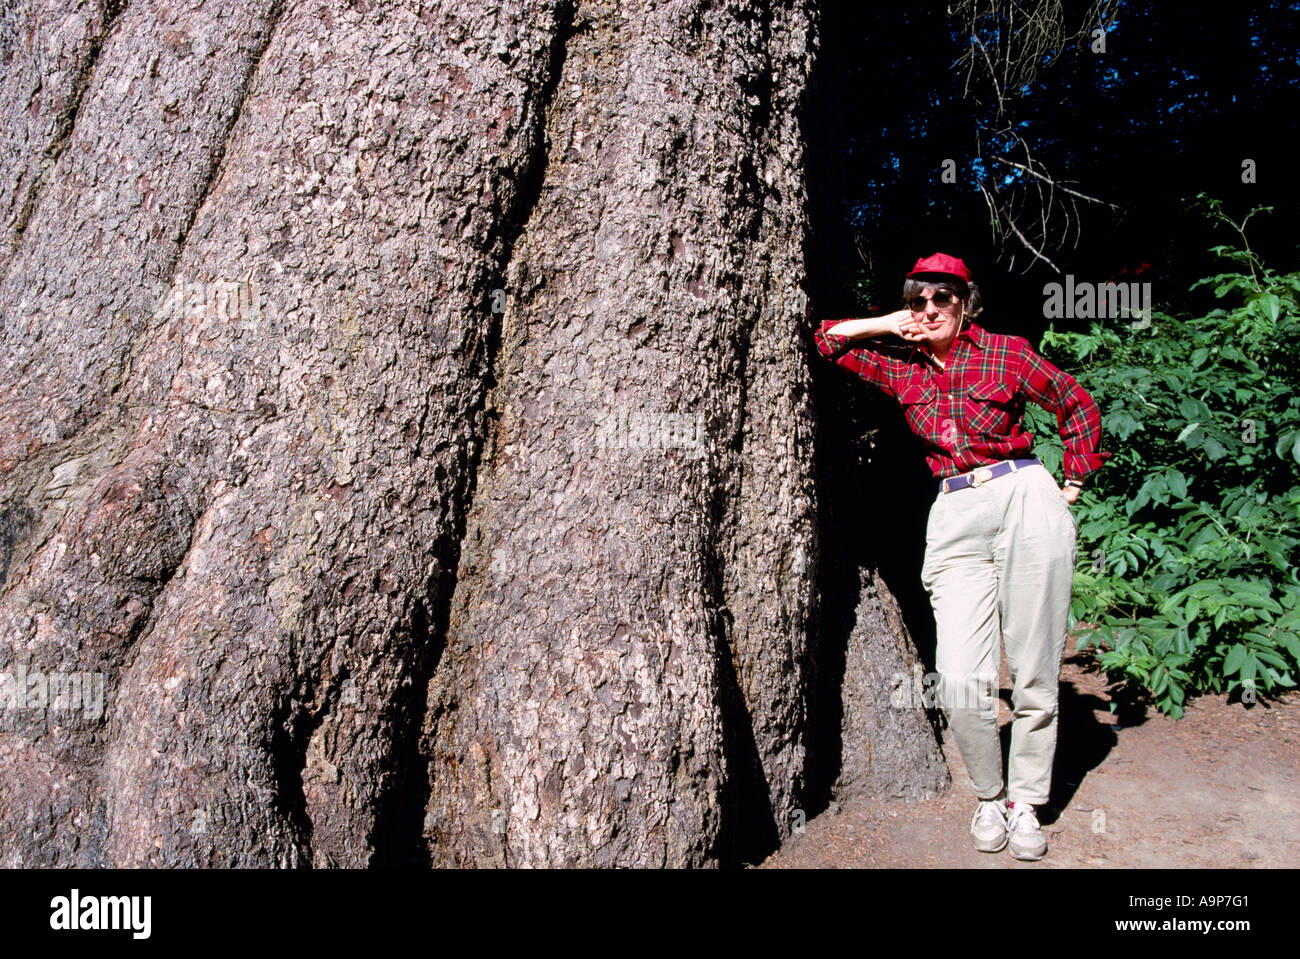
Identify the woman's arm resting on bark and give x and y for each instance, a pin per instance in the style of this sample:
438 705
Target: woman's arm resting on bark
871 326
834 339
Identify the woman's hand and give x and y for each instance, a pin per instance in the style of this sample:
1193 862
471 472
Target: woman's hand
1071 493
905 327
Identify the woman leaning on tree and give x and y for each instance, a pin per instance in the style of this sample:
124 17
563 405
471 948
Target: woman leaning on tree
1001 543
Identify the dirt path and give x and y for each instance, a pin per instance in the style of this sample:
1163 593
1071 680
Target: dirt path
1218 788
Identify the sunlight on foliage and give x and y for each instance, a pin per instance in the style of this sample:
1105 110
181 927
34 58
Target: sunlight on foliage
1188 536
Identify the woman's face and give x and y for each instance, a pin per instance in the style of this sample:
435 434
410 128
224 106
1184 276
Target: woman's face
939 324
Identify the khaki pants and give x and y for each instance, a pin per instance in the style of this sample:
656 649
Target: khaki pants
999 563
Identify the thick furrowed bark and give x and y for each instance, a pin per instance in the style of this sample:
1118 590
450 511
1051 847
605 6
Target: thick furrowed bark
594 629
889 750
460 507
771 530
101 245
332 429
48 50
392 393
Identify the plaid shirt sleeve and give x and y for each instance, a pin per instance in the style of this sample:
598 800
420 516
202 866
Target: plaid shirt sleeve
1077 415
866 362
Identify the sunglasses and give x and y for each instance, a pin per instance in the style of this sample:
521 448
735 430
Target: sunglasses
941 299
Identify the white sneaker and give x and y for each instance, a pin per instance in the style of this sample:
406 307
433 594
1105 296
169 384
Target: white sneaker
989 825
1025 835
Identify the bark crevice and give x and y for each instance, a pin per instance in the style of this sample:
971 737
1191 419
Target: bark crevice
67 120
402 830
398 838
292 727
764 774
748 830
218 158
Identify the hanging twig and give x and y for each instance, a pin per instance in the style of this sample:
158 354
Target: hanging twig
1015 39
1055 183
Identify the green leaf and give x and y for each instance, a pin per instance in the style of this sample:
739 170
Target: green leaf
1234 659
1159 681
1270 657
1248 667
1251 601
1270 305
1216 450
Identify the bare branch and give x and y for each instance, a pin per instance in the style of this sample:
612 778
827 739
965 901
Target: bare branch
864 250
992 75
1054 183
1030 247
1011 41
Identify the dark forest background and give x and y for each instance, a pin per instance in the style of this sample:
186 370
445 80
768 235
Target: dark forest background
1172 108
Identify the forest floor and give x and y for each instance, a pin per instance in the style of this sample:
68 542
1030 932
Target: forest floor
1218 788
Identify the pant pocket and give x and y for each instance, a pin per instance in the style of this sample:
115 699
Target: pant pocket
1048 510
1057 495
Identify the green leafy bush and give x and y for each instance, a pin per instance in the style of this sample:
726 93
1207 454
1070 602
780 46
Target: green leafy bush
1188 535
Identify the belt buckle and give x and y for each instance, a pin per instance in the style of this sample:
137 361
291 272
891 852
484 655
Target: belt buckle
980 476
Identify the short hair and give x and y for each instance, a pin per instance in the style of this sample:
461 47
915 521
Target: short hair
949 284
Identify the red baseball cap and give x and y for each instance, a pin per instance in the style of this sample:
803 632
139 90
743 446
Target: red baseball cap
941 263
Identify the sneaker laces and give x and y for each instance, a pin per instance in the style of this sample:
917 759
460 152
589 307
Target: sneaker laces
988 812
1022 819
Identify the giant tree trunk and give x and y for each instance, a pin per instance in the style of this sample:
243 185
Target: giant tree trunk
458 506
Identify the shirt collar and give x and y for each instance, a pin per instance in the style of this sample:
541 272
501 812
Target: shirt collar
971 331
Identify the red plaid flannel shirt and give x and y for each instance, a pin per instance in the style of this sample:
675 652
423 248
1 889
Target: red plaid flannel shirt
970 413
